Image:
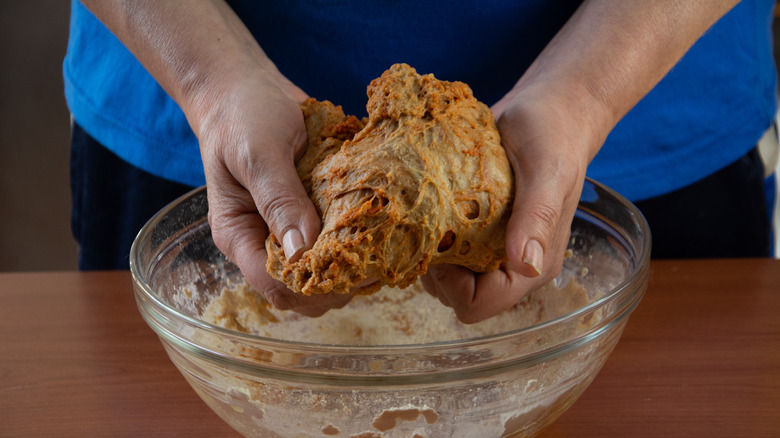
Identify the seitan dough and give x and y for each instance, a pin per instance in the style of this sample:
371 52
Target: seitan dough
423 180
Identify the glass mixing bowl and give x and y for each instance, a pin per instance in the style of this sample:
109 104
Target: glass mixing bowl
511 383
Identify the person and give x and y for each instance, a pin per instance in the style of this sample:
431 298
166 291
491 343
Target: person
662 101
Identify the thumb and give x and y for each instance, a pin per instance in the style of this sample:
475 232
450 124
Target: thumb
285 206
536 234
549 172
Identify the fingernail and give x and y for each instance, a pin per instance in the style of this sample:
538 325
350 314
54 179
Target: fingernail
292 243
533 256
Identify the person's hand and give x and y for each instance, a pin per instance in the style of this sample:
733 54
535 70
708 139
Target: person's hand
549 166
246 117
250 137
598 66
606 58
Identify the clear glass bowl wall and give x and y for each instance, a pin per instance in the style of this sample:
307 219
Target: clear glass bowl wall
508 384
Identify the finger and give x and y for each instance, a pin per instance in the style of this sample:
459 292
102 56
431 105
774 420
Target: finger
259 154
282 201
477 297
539 228
431 288
534 220
441 280
240 233
282 298
269 174
549 168
237 230
456 287
496 292
240 230
547 188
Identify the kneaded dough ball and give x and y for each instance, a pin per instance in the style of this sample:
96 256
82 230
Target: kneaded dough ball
424 180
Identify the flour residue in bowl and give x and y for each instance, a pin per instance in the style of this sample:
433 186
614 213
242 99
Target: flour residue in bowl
389 317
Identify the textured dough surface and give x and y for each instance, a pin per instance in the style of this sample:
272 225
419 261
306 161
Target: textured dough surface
423 180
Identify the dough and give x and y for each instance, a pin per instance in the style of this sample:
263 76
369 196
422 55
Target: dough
423 180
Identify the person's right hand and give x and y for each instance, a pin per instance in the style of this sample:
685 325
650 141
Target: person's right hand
250 137
246 117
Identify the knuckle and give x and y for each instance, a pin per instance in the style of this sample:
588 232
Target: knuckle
221 234
277 297
280 209
464 311
545 216
467 316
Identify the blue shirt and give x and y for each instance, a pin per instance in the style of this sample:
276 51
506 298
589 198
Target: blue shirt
708 111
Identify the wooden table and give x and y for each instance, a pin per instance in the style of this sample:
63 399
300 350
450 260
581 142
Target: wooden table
700 357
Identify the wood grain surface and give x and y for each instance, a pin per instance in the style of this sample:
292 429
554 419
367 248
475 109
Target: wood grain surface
700 357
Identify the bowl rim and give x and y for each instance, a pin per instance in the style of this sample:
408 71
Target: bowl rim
641 270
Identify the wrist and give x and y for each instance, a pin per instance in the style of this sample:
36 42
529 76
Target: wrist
567 116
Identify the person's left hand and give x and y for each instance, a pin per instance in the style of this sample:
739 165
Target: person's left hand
545 149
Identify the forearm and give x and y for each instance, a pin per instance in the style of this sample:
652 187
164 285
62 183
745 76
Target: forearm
610 54
194 49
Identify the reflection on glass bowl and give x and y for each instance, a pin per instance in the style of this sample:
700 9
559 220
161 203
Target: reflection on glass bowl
512 382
